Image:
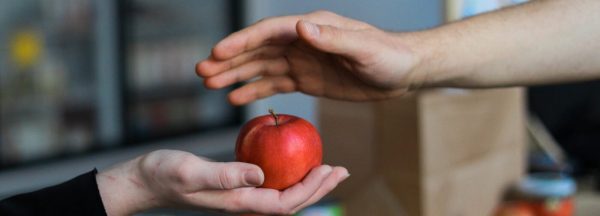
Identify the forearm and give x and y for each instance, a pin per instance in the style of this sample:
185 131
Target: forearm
546 41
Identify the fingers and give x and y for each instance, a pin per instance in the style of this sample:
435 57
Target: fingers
313 187
278 66
278 30
264 87
299 193
338 175
212 67
271 201
266 61
268 31
224 176
331 39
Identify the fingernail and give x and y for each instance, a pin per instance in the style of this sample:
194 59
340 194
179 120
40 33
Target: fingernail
345 176
312 28
253 178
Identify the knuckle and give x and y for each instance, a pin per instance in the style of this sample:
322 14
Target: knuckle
265 67
182 170
279 67
226 180
260 55
231 64
323 13
285 85
180 175
330 33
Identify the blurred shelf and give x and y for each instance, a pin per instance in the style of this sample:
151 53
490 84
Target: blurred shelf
167 91
218 146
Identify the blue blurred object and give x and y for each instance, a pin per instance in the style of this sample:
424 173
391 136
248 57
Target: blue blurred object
548 185
539 161
327 208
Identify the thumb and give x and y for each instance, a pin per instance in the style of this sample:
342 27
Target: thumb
224 176
330 39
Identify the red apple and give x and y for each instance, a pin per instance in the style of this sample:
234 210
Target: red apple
285 147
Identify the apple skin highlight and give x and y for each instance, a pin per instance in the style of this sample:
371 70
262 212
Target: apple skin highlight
285 147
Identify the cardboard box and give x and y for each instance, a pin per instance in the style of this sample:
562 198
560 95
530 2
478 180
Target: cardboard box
442 152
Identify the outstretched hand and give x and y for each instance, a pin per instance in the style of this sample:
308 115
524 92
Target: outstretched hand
176 179
320 54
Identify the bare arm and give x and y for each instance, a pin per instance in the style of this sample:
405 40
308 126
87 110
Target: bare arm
546 41
327 55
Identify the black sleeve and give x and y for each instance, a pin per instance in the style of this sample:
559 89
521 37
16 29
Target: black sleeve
78 196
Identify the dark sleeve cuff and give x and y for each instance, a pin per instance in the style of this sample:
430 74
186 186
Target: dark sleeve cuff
78 196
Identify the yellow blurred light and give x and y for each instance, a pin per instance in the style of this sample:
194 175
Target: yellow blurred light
26 47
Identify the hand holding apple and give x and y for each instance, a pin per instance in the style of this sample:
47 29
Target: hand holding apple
176 179
285 147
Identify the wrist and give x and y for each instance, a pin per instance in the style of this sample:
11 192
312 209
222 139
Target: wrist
122 190
427 69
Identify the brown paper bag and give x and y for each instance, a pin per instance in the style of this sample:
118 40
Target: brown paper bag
442 152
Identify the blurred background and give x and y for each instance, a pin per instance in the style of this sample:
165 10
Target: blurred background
88 83
80 75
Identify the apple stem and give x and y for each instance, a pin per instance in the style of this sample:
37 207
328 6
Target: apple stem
274 116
